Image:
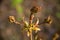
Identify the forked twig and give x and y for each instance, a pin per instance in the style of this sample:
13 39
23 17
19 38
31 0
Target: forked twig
30 26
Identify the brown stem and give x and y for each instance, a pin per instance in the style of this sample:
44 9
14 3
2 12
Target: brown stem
31 18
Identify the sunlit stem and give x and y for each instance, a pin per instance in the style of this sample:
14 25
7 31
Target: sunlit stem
31 35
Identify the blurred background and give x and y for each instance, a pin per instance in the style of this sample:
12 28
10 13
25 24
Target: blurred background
20 9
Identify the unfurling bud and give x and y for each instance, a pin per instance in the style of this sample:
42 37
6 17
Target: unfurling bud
12 19
34 9
48 20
